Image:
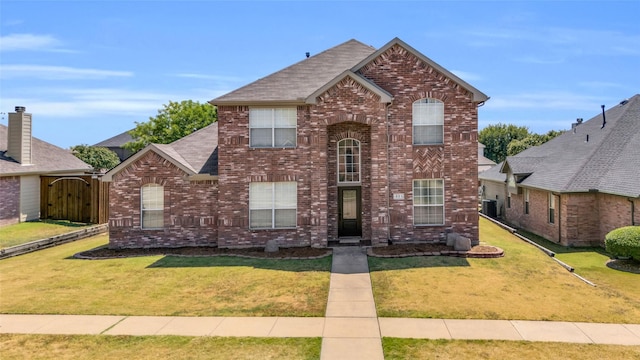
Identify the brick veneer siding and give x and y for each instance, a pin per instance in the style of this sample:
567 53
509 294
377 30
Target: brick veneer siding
581 219
390 162
10 204
189 207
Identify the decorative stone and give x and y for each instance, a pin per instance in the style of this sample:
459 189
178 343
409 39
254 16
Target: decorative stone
451 238
272 246
462 244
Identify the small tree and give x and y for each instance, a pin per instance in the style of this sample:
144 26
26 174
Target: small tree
174 121
624 242
100 158
496 139
518 146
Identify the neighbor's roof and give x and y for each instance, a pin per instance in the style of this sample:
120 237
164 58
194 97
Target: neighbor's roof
116 141
195 154
46 158
608 162
482 160
301 82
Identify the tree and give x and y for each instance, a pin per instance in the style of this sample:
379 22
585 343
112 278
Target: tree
517 146
174 121
496 139
100 158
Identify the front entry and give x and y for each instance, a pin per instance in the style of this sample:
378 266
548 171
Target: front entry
349 213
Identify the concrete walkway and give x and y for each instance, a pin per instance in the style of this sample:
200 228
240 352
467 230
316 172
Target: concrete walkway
349 330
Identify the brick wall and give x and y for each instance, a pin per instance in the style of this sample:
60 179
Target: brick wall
189 207
10 203
615 211
537 221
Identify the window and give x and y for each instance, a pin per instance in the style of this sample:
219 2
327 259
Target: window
349 161
152 204
428 202
552 208
526 201
272 128
428 122
508 200
272 205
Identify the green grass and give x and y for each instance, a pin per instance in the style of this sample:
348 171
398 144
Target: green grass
51 282
155 347
402 349
21 233
526 284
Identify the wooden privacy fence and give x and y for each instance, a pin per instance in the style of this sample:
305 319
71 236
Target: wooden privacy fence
74 198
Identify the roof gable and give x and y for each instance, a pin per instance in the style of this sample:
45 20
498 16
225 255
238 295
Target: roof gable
385 97
478 96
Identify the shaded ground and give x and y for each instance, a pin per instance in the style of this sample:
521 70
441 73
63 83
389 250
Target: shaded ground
625 265
289 253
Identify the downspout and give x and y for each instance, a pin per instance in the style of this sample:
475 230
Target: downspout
388 115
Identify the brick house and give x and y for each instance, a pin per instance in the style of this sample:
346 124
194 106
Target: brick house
580 185
24 160
351 145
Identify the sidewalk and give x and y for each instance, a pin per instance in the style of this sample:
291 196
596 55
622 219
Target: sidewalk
350 328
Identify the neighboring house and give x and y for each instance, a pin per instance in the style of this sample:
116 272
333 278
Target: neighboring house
23 160
483 162
116 143
351 145
577 187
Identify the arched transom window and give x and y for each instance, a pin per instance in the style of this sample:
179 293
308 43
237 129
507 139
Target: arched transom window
428 122
349 161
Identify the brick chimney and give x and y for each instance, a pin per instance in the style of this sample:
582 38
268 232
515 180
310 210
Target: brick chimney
19 136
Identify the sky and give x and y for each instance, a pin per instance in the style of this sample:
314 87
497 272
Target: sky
89 70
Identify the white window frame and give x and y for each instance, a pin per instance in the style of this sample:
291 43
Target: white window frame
275 122
552 208
357 164
428 113
429 203
152 202
526 201
272 204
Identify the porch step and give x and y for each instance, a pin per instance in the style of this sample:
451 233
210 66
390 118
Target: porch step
352 240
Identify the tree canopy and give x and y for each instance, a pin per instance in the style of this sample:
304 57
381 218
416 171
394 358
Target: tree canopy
174 121
100 158
502 140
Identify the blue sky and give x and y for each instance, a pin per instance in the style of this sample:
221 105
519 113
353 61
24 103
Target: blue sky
88 70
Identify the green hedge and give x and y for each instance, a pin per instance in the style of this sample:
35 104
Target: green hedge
624 242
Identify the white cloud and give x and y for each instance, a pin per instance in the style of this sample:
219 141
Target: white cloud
556 100
57 72
18 42
209 77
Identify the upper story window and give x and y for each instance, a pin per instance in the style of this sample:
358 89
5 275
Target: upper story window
152 206
272 127
349 161
428 122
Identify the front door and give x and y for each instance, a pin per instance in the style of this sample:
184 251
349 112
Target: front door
349 213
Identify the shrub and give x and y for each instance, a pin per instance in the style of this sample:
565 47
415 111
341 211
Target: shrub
624 241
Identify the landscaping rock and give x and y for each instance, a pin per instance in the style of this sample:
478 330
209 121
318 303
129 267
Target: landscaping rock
272 246
462 244
451 238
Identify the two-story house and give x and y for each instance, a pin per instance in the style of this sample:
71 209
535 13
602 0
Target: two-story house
351 145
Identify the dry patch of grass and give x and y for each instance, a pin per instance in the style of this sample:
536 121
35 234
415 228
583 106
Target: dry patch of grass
155 347
505 350
51 282
17 234
526 284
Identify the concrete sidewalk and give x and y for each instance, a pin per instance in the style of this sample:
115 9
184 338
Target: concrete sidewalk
349 330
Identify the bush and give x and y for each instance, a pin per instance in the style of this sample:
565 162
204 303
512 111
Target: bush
624 242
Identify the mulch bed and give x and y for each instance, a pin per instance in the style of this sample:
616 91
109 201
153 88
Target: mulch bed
631 266
405 250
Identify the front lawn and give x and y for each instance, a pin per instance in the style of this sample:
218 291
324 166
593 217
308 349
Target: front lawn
401 349
526 284
155 347
51 282
12 235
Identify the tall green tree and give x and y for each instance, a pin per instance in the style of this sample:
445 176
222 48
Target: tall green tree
100 158
174 121
496 139
518 146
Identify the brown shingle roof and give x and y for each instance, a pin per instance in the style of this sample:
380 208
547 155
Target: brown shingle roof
46 158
